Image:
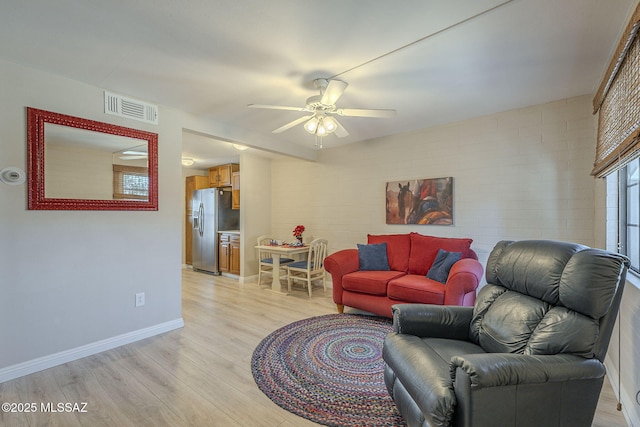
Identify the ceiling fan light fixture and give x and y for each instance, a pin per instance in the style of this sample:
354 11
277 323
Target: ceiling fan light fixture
311 125
326 126
329 124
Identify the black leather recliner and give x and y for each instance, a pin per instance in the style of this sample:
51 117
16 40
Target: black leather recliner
529 353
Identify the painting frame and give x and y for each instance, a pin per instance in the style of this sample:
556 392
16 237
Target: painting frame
427 201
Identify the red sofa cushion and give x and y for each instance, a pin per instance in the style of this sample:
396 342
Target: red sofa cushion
398 248
416 289
425 248
369 282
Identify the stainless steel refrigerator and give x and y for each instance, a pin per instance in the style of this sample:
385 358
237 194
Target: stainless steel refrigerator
211 213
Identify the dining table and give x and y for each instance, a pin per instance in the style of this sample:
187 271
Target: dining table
276 252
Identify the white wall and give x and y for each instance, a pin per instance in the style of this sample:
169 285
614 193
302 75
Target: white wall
255 209
68 279
518 174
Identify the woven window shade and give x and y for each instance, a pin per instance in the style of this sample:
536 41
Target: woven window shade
618 104
130 182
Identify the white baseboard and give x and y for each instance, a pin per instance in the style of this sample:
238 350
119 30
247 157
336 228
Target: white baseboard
46 362
248 279
254 279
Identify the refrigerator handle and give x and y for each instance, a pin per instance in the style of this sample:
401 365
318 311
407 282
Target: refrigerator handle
201 221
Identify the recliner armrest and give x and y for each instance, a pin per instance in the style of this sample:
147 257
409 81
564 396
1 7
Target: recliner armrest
436 321
504 369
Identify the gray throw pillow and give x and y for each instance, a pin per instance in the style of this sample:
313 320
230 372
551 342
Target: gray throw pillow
439 271
373 257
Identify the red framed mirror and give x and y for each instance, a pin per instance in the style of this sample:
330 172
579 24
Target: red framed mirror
82 164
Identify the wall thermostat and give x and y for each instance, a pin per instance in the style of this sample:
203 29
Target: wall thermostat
12 176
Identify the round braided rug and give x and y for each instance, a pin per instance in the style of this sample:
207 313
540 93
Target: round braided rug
328 369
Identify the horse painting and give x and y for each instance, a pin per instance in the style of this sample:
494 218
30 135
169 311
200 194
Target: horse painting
405 202
423 201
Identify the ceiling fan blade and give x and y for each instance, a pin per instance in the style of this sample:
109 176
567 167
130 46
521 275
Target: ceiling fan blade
333 92
292 124
340 131
277 107
358 112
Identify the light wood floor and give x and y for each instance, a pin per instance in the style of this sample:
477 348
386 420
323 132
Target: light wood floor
196 376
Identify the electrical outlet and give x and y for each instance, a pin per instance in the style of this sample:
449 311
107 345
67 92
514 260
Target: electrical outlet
140 299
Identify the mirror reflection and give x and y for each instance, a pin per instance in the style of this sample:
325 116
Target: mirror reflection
81 164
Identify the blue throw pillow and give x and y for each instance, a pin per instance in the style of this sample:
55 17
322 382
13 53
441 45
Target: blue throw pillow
439 271
373 257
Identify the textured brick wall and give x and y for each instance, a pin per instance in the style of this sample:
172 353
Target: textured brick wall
518 174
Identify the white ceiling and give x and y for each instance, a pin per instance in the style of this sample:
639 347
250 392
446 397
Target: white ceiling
212 58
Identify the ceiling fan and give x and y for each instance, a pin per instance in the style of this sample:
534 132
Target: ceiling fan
322 107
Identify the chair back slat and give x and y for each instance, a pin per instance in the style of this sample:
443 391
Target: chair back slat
317 254
263 240
313 268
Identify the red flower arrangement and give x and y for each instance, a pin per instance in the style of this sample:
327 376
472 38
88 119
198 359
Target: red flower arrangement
297 232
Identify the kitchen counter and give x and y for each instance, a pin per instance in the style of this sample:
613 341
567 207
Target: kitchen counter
229 231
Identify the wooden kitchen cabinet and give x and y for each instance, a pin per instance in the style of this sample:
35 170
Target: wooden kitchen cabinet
223 255
195 182
220 176
235 190
229 253
234 256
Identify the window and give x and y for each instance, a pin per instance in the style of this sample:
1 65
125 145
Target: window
617 103
629 212
130 182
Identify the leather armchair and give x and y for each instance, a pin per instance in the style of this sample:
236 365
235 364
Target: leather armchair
529 353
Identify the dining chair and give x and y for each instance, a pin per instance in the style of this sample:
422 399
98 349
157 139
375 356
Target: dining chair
310 269
265 262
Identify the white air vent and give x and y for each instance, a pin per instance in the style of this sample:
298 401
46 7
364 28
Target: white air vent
122 106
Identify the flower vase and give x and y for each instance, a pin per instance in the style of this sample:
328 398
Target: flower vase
299 239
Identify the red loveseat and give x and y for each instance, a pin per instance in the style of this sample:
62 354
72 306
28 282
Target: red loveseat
410 256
